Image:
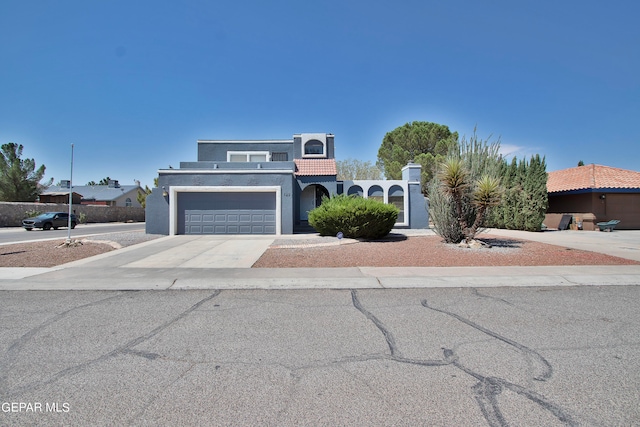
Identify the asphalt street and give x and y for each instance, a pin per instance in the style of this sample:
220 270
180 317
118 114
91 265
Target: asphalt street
440 357
180 331
10 235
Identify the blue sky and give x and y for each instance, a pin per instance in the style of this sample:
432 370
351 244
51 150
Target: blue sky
134 84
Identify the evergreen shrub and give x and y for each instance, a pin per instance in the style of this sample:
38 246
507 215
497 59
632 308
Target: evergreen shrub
354 216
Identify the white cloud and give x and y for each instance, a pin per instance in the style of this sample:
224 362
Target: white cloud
509 151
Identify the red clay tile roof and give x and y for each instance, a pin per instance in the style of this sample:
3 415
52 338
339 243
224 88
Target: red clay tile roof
315 167
592 177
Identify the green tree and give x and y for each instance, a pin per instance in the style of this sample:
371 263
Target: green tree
19 178
142 194
351 169
525 199
103 181
424 143
580 163
535 197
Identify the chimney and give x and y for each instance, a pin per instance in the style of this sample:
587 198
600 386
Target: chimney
412 172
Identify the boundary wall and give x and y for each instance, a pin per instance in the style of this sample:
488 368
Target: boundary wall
12 213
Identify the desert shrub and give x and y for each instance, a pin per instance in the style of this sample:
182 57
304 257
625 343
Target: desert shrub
443 214
466 185
355 217
82 218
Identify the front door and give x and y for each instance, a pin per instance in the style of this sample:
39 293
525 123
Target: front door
311 198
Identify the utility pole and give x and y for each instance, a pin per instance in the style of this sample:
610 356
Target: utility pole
70 199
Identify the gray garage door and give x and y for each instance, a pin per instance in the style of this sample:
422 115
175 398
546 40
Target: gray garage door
227 213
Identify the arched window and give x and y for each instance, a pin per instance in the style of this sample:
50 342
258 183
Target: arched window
127 202
375 192
355 189
313 147
396 198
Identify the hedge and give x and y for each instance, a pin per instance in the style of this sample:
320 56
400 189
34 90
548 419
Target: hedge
354 216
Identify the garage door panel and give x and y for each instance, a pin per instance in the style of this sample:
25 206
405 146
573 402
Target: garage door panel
227 213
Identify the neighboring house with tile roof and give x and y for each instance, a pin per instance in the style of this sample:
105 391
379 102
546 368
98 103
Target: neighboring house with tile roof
266 187
594 193
112 194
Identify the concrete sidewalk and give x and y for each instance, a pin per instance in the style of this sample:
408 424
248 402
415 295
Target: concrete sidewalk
223 262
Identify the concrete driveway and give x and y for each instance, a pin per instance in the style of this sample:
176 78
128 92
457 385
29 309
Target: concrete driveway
206 252
620 243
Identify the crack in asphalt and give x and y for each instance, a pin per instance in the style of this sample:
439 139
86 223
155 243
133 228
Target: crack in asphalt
393 348
487 389
8 360
395 355
475 292
547 369
124 349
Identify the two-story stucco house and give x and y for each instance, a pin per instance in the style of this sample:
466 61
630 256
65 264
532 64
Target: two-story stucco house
266 187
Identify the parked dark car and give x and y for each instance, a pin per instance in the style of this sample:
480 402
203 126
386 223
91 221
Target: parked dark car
49 220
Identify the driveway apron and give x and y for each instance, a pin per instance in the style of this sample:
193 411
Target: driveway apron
207 252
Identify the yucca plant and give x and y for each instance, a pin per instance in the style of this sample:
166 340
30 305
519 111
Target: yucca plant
487 193
454 182
470 202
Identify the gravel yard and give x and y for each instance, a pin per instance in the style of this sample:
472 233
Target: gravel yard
395 251
430 251
47 254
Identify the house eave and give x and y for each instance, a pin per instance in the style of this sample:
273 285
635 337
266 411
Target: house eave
224 171
248 141
593 190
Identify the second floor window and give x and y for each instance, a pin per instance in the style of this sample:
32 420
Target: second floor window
247 156
313 147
